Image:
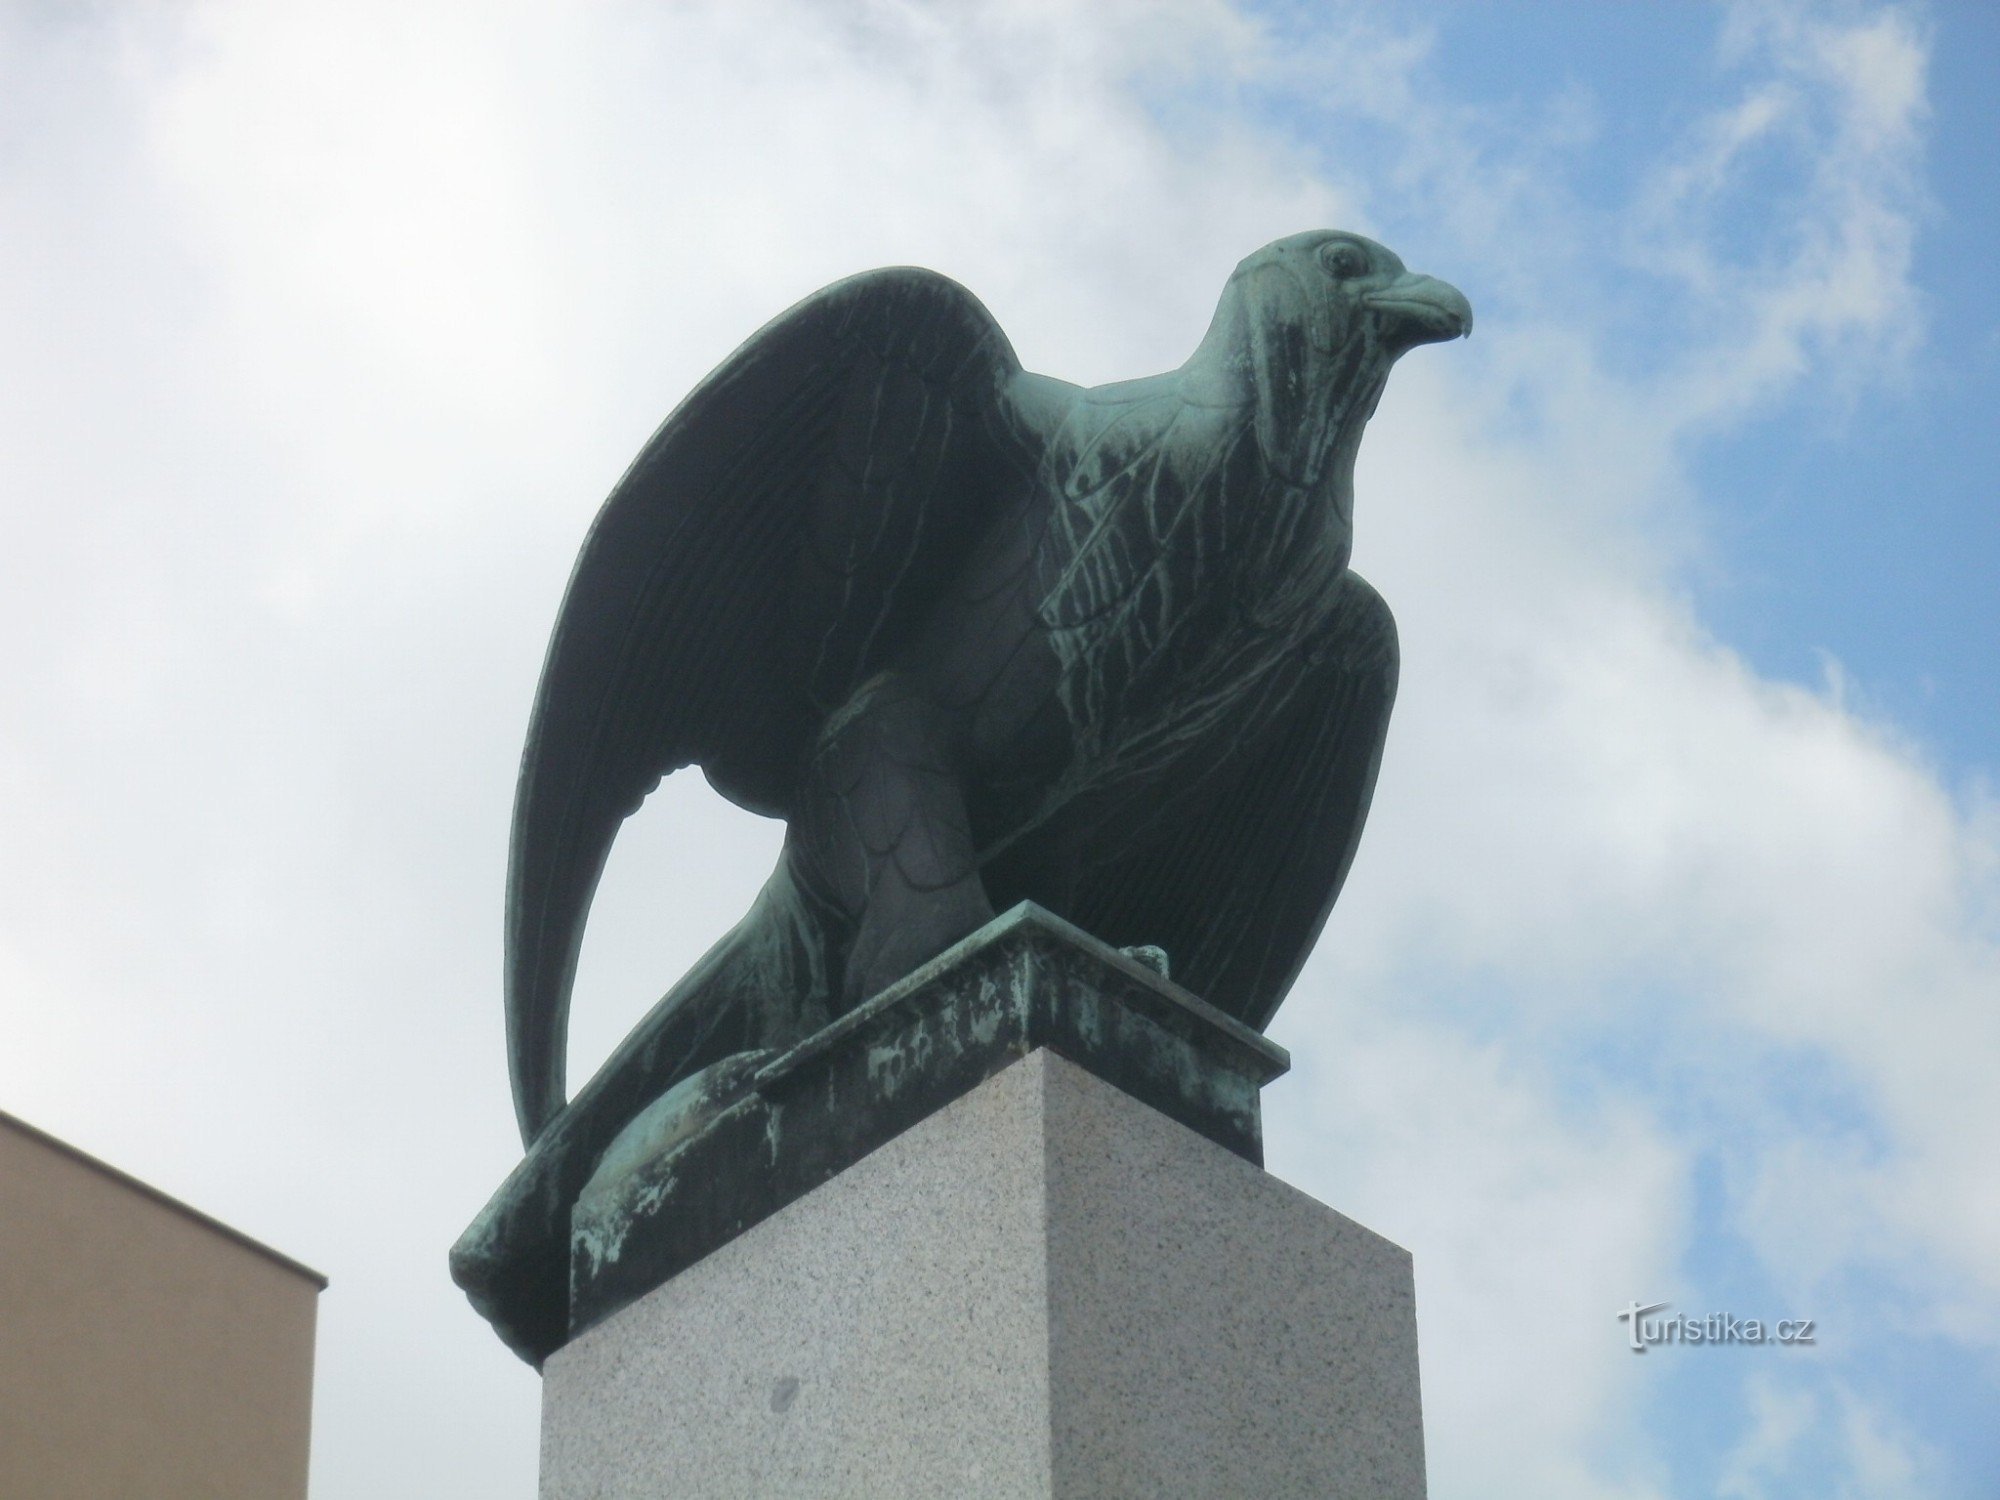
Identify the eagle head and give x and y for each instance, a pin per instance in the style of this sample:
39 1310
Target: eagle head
1307 330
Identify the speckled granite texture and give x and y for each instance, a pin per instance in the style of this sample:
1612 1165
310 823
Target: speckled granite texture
1046 1289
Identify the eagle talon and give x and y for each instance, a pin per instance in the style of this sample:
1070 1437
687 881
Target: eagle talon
1150 955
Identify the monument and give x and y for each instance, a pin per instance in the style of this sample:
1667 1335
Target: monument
1073 710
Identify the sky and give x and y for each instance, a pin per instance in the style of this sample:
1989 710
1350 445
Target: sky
1668 968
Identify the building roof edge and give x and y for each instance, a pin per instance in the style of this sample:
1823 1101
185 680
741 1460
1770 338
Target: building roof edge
165 1200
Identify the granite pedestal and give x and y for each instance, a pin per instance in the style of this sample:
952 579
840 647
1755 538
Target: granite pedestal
1044 1288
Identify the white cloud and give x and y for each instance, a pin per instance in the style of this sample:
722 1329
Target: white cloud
1532 1221
1847 98
1780 1417
1795 1435
1886 1462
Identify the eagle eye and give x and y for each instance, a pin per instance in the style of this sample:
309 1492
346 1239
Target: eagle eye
1343 259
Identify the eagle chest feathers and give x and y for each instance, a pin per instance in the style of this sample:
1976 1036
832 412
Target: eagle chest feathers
1182 569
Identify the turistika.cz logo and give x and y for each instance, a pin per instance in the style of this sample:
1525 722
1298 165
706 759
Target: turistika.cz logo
1643 1333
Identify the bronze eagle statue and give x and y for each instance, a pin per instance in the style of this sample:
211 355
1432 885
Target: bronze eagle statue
978 636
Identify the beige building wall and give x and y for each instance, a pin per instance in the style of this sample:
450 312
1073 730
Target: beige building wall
147 1352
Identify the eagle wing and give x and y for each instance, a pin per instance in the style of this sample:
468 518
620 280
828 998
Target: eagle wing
1237 884
780 530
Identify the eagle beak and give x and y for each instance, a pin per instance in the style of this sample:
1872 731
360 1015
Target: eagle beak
1421 310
